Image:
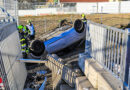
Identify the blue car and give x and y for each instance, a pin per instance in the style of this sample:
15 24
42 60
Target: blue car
63 40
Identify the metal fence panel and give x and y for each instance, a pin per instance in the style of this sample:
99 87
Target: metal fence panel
8 10
109 48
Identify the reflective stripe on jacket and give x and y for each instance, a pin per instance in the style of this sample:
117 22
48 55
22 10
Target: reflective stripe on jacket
31 30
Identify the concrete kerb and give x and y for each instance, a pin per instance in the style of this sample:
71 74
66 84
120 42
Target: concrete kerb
82 83
99 77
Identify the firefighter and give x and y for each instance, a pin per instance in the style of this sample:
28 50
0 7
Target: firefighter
62 22
23 33
31 30
23 47
83 18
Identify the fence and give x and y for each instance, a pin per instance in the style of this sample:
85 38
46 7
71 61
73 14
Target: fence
41 8
35 9
110 47
39 5
36 5
55 64
8 11
10 68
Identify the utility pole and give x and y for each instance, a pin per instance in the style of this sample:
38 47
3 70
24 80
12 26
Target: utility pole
16 12
101 13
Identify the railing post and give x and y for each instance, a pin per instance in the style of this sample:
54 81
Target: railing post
45 21
129 78
16 12
127 63
87 42
119 7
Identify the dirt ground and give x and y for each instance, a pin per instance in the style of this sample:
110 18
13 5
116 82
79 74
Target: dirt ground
44 23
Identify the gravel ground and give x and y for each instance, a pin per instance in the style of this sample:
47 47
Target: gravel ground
43 24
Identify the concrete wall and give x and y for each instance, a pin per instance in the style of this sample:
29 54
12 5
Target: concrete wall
104 7
10 53
27 13
45 11
125 7
101 7
88 8
38 12
108 7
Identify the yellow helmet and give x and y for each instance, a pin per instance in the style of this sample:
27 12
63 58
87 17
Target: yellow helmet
20 27
83 15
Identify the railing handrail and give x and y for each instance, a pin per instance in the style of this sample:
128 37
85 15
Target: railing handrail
66 72
107 27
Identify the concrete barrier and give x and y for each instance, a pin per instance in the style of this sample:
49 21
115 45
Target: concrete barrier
14 71
99 77
124 7
108 82
82 83
55 64
92 70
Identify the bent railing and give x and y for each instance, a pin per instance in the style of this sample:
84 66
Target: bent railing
55 64
111 48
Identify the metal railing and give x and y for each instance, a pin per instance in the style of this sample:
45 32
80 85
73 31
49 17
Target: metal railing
55 64
32 6
37 5
8 11
109 46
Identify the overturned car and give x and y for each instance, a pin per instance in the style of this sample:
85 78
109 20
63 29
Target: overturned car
57 43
